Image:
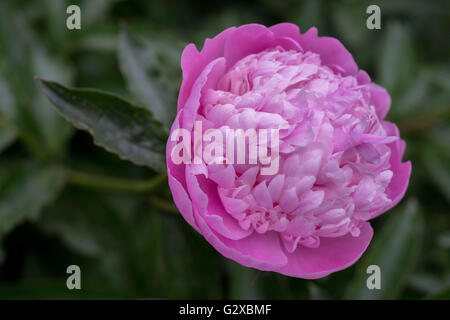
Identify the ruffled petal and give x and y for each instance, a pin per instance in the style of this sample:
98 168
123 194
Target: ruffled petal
193 62
208 206
177 182
402 170
380 98
207 77
331 50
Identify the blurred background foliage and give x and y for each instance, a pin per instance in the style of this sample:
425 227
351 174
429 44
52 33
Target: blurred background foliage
65 201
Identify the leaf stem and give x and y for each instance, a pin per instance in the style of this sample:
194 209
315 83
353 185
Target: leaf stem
103 182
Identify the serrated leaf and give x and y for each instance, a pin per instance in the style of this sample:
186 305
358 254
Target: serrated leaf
24 190
117 125
394 250
138 61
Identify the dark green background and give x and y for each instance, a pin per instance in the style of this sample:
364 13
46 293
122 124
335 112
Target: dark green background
59 206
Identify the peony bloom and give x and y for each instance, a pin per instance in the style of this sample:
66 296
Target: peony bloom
340 162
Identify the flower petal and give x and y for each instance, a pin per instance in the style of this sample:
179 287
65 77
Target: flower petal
332 255
193 62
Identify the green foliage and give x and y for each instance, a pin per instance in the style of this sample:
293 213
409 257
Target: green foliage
394 250
142 64
24 107
25 184
7 137
117 125
64 200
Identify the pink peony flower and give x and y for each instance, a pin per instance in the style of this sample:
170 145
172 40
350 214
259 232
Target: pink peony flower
340 162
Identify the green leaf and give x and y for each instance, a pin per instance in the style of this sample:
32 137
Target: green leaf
442 295
23 55
158 254
2 252
24 190
7 137
95 230
139 63
427 283
94 11
54 130
444 240
54 288
55 18
438 170
117 125
244 282
396 62
309 14
350 22
88 227
189 263
8 112
394 250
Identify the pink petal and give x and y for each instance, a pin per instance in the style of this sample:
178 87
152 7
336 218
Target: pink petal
224 176
362 77
249 176
381 99
262 195
402 170
208 206
304 184
177 181
245 40
208 76
310 200
261 251
332 255
289 200
193 62
276 186
331 50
